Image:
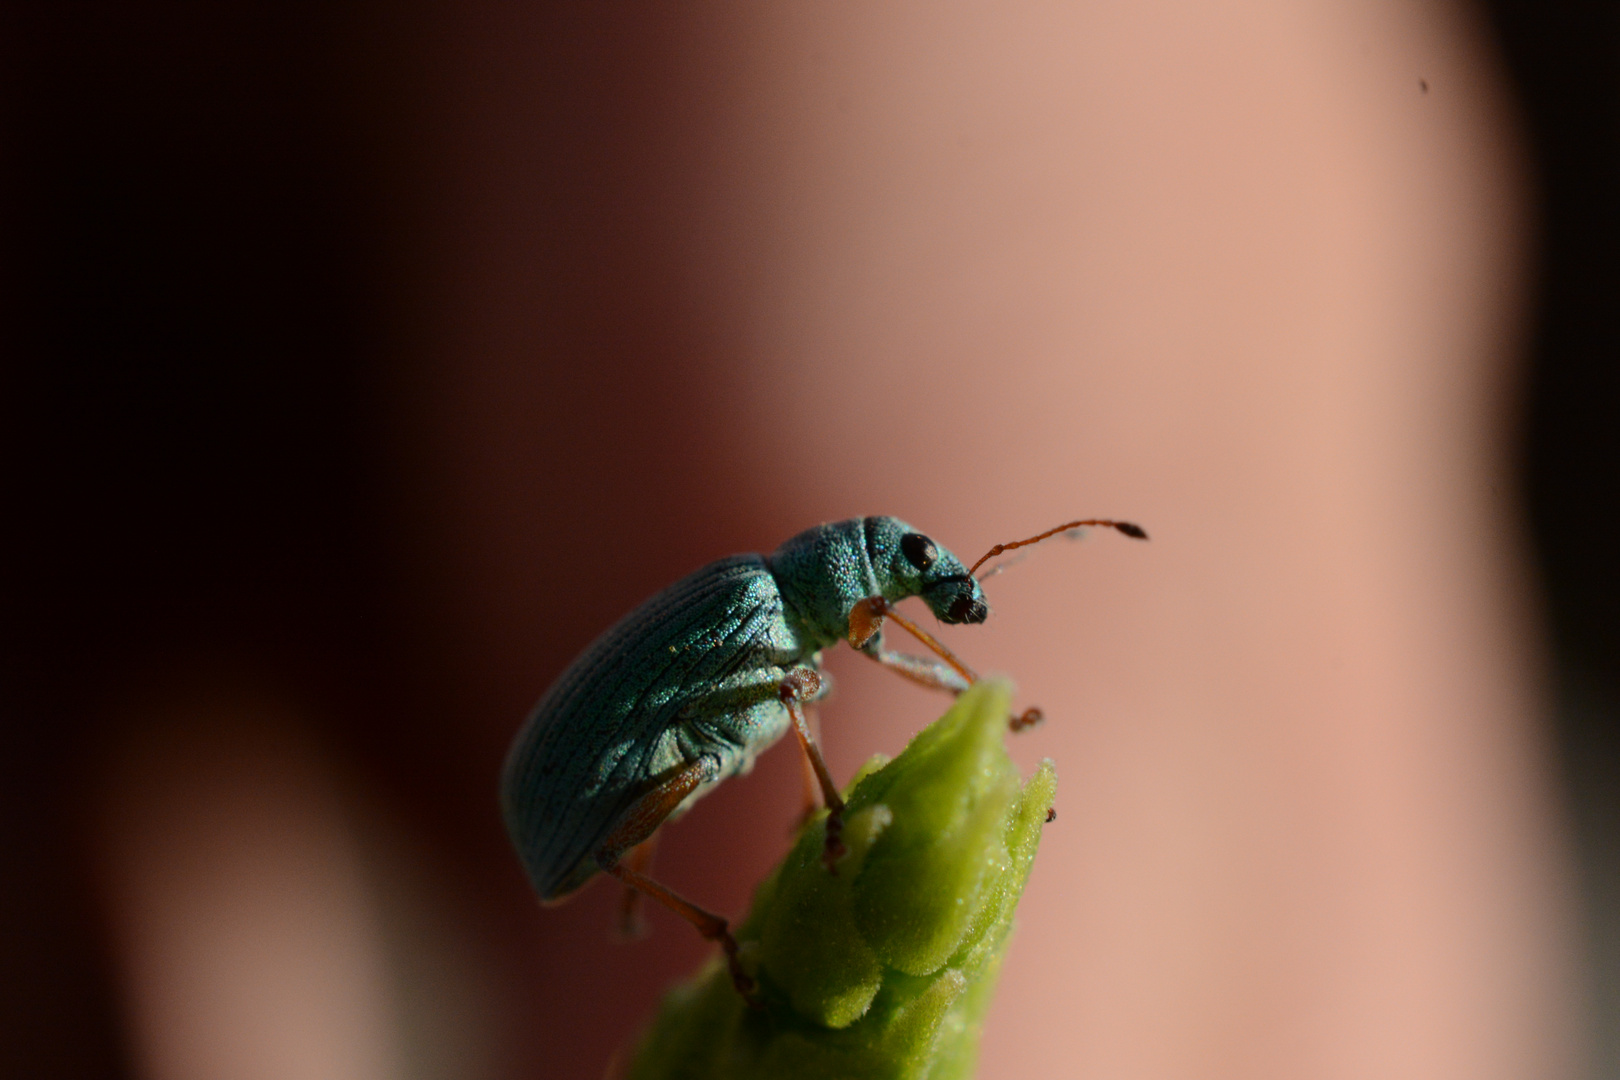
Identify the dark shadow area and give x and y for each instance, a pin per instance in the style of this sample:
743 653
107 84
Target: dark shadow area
190 250
1565 62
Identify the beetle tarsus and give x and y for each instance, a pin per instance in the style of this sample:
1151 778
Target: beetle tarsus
739 978
1026 719
834 849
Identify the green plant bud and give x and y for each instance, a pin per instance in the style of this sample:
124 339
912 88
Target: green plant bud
886 968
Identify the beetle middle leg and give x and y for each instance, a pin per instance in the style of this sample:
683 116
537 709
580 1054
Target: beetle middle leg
637 826
953 676
798 686
812 783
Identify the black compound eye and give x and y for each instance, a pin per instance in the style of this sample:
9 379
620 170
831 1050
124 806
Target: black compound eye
918 550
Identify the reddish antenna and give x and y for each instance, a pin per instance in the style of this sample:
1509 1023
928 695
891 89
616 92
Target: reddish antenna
1135 532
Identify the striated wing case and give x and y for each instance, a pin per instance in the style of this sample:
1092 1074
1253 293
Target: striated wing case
671 681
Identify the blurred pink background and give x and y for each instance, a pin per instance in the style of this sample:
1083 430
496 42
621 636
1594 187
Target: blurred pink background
666 283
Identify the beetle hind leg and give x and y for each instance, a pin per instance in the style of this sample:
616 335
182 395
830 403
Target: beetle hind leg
637 826
632 923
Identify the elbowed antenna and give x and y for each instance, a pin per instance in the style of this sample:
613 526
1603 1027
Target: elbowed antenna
1135 532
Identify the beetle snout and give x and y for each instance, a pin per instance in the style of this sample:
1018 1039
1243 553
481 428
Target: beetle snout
966 609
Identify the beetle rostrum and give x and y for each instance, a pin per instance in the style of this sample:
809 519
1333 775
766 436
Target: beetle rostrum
965 609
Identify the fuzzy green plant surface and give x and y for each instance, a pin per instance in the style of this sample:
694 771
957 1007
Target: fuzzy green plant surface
884 970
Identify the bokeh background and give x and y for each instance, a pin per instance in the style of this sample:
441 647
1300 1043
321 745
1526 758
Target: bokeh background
364 361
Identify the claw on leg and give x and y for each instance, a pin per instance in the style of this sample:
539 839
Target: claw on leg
710 925
1026 719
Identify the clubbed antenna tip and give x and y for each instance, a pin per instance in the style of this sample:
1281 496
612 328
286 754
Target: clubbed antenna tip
1133 531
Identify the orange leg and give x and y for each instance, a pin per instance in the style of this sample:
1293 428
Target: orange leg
636 827
1026 719
866 619
799 685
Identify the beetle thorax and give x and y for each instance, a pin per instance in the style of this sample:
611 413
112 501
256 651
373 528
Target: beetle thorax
822 574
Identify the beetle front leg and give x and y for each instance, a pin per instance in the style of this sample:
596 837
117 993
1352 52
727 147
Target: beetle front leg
865 623
797 687
919 669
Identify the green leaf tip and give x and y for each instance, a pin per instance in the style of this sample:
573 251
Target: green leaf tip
886 969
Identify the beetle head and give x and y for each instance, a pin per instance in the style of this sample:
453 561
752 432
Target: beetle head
920 567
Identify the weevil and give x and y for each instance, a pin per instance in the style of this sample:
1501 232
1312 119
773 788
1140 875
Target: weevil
694 684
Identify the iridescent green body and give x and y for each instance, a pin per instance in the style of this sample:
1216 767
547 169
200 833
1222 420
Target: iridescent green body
694 673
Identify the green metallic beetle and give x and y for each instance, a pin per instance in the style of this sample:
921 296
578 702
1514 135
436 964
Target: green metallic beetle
690 687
